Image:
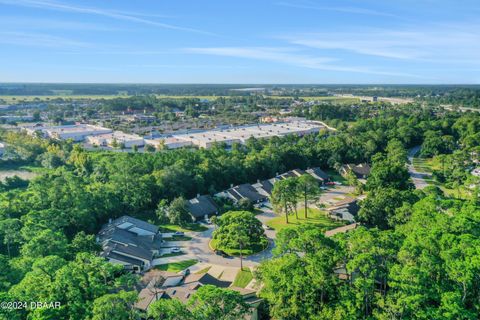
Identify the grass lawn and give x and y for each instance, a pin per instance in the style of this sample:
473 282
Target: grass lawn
335 176
465 194
243 278
315 217
204 270
176 266
236 252
178 238
190 227
423 164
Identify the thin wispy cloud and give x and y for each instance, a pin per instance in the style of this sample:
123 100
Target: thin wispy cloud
59 6
186 66
342 9
291 56
39 40
9 22
423 44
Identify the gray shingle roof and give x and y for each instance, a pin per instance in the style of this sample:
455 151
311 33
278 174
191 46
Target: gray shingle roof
135 222
362 169
201 206
317 172
246 191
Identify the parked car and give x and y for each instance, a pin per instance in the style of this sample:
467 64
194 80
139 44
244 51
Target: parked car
208 221
179 234
175 250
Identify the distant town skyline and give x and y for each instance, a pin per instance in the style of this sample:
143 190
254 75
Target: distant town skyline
278 41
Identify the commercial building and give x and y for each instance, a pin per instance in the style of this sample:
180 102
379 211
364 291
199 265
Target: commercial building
116 138
76 132
229 136
168 143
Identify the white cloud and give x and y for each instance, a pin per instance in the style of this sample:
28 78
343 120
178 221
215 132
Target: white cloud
343 9
290 56
439 43
58 6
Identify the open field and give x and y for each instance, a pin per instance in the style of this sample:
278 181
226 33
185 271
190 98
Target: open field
333 99
176 266
17 99
315 217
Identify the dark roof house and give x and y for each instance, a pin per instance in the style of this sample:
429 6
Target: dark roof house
264 187
318 174
291 174
345 210
130 242
246 191
202 206
361 170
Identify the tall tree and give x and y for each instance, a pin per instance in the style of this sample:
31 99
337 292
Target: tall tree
284 193
210 302
308 189
116 306
239 230
178 212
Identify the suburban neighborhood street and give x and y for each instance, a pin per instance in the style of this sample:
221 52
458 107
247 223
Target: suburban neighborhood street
417 177
198 248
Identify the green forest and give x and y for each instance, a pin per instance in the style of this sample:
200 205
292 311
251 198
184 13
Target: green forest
416 256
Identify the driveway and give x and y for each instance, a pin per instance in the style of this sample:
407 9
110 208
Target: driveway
336 194
418 177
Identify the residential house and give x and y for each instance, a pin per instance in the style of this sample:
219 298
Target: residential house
202 207
243 191
318 174
345 210
476 172
264 187
130 242
182 290
295 173
361 171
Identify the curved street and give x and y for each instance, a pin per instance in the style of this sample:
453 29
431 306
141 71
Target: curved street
198 248
418 177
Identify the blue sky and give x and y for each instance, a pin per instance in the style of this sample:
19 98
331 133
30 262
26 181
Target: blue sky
263 41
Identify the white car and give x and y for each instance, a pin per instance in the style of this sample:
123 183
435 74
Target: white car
175 250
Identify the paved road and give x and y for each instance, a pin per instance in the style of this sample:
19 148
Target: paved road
198 248
417 176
